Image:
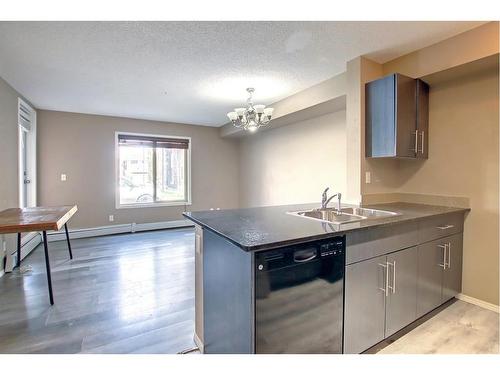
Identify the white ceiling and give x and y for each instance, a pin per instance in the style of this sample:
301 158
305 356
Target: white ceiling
191 72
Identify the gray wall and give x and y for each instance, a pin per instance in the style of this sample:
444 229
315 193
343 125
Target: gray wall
294 163
83 147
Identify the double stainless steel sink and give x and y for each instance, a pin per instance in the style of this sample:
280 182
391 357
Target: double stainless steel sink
345 215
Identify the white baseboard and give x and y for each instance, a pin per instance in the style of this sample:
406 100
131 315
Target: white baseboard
478 302
115 229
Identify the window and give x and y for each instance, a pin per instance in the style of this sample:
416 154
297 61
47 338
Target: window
152 170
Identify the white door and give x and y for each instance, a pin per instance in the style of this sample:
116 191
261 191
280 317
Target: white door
27 155
24 181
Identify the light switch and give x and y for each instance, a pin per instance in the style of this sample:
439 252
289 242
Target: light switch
368 177
63 177
111 218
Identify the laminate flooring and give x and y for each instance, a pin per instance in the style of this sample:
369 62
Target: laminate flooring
134 293
128 293
461 328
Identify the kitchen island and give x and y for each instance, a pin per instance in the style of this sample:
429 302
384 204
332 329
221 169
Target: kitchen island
418 241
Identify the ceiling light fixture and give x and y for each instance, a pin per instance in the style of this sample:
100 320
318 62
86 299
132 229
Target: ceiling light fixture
253 116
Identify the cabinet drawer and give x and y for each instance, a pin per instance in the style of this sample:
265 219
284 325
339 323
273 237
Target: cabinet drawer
370 243
440 226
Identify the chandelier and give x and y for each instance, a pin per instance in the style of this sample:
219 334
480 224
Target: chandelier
253 116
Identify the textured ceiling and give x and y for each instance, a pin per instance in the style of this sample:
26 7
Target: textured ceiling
191 72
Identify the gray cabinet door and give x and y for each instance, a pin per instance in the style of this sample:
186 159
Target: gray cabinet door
406 116
401 304
430 276
422 119
452 275
364 309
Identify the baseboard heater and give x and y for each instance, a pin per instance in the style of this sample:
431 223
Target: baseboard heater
117 229
28 243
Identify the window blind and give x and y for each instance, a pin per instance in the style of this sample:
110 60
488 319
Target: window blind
157 142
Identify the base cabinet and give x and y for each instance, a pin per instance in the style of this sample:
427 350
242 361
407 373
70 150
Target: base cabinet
380 299
401 304
430 276
388 288
452 275
439 272
364 306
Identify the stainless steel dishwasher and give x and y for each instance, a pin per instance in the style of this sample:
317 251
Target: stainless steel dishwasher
299 298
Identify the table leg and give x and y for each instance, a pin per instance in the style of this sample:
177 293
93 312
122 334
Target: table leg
67 239
19 250
47 265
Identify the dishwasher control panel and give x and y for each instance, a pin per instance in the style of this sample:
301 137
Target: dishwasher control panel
332 248
300 254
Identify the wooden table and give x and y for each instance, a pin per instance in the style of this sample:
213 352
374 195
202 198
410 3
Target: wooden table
36 219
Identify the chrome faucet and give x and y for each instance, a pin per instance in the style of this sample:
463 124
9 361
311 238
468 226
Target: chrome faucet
325 200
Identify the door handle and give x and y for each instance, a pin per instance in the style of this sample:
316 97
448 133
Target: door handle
449 255
444 227
444 247
393 287
198 244
416 142
386 271
423 140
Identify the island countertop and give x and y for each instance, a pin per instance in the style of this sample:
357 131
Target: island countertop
262 228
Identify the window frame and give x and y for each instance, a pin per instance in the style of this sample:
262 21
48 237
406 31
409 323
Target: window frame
187 173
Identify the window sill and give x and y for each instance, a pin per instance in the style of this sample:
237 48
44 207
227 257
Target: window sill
150 205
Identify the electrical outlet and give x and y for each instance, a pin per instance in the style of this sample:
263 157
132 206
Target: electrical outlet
63 176
368 177
111 217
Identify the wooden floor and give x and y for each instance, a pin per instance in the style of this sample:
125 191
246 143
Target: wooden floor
461 328
134 293
131 293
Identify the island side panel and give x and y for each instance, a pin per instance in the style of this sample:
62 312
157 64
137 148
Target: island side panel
228 307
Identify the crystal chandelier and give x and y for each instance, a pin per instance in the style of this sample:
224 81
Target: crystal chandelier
252 117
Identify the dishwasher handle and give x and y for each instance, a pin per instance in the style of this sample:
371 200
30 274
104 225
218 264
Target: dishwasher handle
302 256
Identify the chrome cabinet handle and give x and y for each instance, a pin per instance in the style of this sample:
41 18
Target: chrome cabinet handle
444 227
422 139
416 142
449 255
444 247
386 290
393 287
198 243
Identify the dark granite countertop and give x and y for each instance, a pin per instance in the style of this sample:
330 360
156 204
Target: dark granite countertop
262 228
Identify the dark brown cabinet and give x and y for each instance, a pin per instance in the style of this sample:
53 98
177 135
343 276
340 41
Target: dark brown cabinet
396 117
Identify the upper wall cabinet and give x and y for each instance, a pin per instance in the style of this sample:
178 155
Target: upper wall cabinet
397 118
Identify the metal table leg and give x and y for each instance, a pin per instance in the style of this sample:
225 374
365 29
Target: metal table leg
19 250
67 239
47 265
